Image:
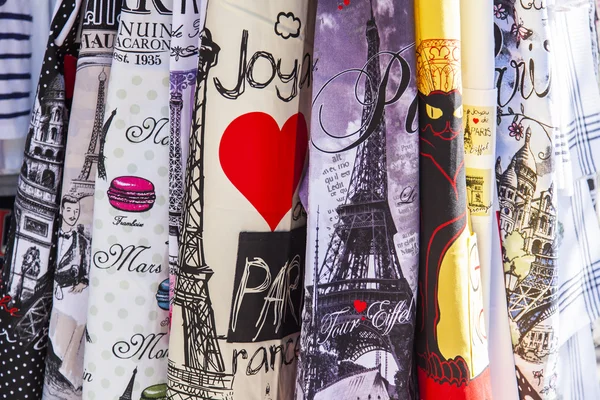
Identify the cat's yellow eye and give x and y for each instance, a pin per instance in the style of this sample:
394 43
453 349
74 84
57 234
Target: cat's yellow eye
434 112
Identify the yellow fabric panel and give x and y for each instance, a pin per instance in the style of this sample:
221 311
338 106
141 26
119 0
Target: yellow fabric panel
437 19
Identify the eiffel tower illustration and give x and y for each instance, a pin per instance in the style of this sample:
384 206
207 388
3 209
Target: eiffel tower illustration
200 372
361 261
84 184
175 170
534 299
128 393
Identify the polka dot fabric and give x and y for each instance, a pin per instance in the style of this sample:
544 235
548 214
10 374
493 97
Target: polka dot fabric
31 256
127 321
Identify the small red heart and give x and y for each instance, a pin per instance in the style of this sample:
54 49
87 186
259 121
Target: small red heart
347 2
476 120
360 305
264 162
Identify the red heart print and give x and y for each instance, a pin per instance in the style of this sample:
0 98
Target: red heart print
476 120
264 162
360 305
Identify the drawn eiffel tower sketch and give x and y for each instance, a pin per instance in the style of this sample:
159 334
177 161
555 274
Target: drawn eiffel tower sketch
199 371
128 393
84 184
179 82
360 263
175 165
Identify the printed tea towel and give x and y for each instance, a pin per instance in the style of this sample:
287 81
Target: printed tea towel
363 198
578 228
188 21
27 275
502 362
450 338
235 329
127 329
479 111
527 190
64 361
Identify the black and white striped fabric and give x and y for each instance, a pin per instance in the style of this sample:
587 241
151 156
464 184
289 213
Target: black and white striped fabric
575 380
15 67
24 27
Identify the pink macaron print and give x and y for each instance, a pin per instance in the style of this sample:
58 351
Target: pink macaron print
131 193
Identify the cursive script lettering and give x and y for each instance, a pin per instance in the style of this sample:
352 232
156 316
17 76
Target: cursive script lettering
374 108
520 80
407 195
42 340
140 346
4 306
122 220
279 292
288 354
297 75
7 336
332 329
384 318
120 257
151 128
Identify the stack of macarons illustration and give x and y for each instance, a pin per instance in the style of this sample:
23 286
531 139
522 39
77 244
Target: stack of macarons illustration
131 193
162 295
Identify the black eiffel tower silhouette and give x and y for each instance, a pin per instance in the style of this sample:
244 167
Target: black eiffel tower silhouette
84 180
361 261
202 375
128 393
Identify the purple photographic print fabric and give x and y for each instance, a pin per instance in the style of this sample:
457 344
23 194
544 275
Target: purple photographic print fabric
363 202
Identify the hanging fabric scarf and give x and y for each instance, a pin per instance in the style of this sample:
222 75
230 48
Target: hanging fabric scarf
188 22
450 341
27 275
235 326
578 228
363 197
126 356
64 362
479 98
17 71
526 190
479 120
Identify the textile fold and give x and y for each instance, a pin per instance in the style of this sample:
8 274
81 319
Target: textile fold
126 352
450 339
64 374
235 328
363 200
31 255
